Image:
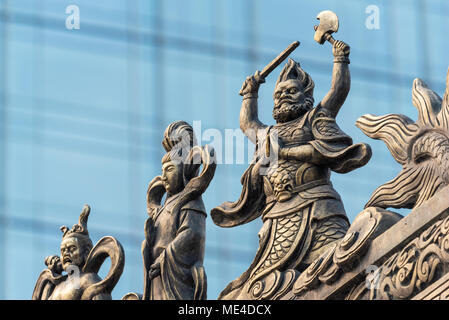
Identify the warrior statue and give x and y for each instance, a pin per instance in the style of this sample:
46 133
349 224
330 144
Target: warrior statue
74 275
302 213
173 249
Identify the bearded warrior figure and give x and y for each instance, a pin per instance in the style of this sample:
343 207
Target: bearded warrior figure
74 274
302 213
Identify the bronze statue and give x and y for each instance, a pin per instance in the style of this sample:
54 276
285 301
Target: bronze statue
173 249
302 213
80 261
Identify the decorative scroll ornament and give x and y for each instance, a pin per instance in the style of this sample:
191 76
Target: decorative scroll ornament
420 262
343 255
274 285
411 270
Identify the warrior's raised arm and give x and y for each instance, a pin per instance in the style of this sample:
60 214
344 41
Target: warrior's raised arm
249 118
341 79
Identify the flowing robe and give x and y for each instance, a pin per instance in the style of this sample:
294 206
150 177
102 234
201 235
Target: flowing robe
176 239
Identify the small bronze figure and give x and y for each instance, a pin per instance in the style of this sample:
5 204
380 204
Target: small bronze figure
303 215
173 249
81 263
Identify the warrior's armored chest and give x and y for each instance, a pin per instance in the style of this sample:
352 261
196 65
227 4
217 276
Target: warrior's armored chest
285 176
293 133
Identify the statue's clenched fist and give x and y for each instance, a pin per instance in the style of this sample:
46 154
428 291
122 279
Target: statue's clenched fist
54 264
251 84
340 48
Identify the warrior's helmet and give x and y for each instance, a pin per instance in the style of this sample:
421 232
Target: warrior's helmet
293 71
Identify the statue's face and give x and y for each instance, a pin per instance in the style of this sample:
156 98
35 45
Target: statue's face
172 177
289 101
71 253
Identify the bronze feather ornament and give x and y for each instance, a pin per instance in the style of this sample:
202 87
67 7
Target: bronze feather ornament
421 147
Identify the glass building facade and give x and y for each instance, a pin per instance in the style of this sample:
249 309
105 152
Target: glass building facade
82 111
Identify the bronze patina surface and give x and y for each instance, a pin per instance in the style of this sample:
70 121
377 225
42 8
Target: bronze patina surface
288 183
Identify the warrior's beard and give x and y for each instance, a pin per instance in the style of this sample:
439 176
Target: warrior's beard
289 111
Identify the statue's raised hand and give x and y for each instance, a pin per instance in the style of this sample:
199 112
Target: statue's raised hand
251 84
339 48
